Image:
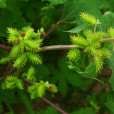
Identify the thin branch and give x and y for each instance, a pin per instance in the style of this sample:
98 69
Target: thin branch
62 47
11 70
107 40
62 13
92 58
46 100
58 23
63 22
4 75
57 47
25 79
53 105
5 47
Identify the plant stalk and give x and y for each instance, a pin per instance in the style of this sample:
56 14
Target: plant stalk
56 47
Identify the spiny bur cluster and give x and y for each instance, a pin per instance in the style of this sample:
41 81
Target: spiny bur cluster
25 44
12 82
88 19
38 90
89 42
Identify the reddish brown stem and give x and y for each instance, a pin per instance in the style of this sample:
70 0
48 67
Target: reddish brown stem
6 70
62 13
11 70
92 58
51 29
53 105
5 47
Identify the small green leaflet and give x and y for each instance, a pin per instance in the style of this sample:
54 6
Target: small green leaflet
90 71
76 29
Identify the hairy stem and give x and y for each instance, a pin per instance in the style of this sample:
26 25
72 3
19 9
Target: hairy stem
57 47
46 100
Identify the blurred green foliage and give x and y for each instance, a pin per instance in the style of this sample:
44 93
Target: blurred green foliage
46 13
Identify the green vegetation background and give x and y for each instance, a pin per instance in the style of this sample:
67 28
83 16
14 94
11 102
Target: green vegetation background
76 95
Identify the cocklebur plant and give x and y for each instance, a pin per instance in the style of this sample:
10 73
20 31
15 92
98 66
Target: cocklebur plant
88 41
25 46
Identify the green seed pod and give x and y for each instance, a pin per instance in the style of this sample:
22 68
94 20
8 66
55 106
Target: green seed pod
52 88
12 82
87 33
21 60
41 29
13 32
88 19
74 54
34 58
111 32
32 44
96 37
96 45
15 51
31 73
98 62
79 41
40 91
91 49
33 91
104 52
12 39
29 33
36 36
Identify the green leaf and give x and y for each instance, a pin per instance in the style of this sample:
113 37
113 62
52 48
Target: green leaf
90 71
110 101
63 86
49 110
76 29
110 62
84 111
55 2
64 76
1 108
26 102
3 4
